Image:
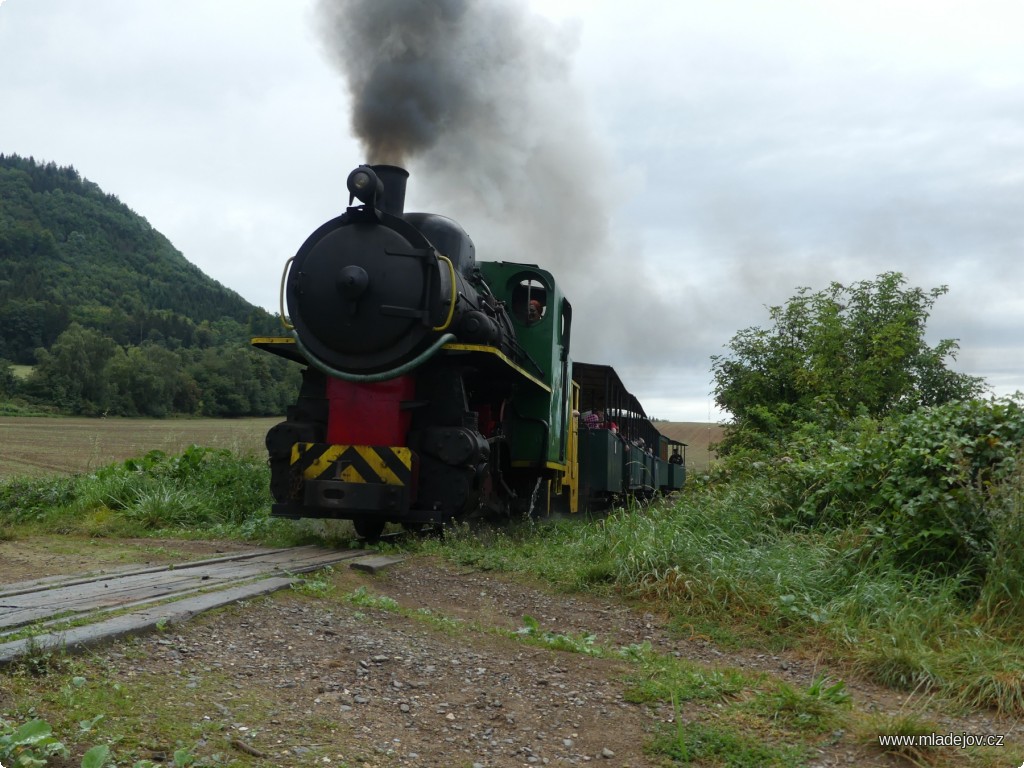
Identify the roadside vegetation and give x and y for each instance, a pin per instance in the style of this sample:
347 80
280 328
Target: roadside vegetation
734 559
200 493
868 510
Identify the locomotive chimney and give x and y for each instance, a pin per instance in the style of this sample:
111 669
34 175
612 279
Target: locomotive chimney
394 180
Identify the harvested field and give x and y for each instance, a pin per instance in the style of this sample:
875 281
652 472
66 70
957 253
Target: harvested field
698 436
64 446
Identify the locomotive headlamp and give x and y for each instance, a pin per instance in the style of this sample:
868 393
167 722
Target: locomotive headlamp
360 180
364 185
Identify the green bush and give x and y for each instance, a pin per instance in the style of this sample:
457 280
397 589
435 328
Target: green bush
937 488
201 488
30 500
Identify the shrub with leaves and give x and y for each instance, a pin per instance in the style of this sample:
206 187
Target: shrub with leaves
28 745
938 488
28 500
832 354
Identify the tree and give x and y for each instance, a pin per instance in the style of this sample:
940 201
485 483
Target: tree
835 354
8 381
73 373
148 381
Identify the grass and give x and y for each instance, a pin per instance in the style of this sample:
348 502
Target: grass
665 678
93 708
819 707
710 561
34 447
711 744
207 493
713 561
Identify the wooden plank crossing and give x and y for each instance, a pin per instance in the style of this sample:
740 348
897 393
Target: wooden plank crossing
180 591
375 563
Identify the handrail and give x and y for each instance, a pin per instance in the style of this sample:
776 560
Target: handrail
401 370
451 307
284 276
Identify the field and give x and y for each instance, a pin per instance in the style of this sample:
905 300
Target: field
699 438
42 446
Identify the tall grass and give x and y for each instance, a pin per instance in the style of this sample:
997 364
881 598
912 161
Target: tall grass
717 556
201 492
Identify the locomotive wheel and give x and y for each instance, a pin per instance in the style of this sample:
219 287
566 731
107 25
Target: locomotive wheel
369 529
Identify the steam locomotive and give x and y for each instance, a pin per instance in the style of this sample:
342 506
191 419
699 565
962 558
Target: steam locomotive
439 388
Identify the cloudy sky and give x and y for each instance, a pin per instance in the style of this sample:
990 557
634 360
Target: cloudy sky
680 167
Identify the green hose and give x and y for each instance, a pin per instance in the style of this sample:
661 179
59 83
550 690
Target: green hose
394 373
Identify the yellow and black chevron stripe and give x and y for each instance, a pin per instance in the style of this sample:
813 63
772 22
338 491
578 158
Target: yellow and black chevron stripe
353 463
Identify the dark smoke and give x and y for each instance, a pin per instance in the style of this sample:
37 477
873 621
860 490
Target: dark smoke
475 98
403 61
420 71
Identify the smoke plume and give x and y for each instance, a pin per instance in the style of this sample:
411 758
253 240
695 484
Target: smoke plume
475 98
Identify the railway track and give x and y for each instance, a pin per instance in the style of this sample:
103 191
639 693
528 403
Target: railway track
74 612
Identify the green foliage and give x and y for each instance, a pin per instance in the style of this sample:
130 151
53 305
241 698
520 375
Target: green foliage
33 745
199 489
818 707
85 373
96 757
8 381
25 500
706 744
364 599
903 724
667 678
832 355
317 584
583 643
30 745
119 321
938 489
73 371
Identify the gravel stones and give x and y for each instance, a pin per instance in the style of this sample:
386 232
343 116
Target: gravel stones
391 688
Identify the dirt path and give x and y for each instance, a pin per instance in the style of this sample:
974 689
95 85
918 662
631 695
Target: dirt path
348 677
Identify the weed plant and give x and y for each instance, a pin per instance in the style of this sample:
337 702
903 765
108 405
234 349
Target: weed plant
201 492
819 707
902 724
663 678
710 744
70 700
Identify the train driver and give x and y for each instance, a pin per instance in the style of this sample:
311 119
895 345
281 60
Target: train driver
535 311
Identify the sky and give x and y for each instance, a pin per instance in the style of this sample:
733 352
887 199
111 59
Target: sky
680 167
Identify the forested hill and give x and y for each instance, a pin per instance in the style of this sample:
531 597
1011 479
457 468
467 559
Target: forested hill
71 253
113 319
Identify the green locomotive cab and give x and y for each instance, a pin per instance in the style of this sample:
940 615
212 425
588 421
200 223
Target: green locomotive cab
539 434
